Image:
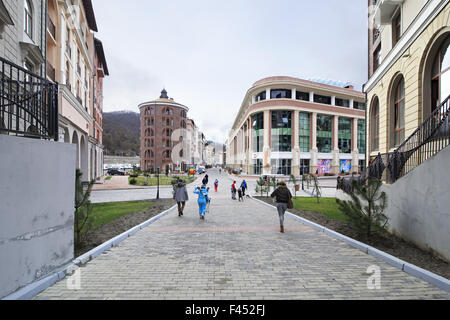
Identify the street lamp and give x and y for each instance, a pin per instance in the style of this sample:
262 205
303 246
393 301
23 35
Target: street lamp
157 179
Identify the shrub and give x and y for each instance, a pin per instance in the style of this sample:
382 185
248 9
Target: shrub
83 219
133 181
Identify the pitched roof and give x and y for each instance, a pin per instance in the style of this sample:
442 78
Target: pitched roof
90 16
101 54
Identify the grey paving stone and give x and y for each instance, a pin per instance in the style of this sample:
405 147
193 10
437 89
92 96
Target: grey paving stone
236 253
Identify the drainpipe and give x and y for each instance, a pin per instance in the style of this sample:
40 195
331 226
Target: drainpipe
44 49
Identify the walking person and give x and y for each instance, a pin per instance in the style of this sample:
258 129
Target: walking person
240 193
243 187
202 200
216 185
181 196
283 199
233 190
205 180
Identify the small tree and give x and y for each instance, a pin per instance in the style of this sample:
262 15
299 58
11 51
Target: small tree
371 214
316 188
83 208
261 183
293 179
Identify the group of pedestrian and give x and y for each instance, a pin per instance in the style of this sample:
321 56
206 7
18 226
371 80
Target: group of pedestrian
239 191
282 195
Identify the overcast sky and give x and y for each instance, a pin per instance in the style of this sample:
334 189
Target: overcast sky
208 53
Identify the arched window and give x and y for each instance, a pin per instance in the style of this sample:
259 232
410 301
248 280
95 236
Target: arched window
375 125
183 114
168 132
149 132
28 18
168 111
183 124
398 112
440 76
149 111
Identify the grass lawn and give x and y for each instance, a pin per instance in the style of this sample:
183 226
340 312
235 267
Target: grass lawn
152 181
108 178
326 206
110 211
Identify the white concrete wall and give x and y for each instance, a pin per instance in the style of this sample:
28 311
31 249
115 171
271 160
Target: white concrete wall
419 205
37 180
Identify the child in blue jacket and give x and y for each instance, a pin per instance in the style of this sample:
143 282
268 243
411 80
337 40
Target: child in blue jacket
202 200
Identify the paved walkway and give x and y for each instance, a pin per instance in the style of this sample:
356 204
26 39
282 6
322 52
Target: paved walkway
236 253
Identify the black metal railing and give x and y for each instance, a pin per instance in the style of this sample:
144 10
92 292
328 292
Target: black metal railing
428 139
28 103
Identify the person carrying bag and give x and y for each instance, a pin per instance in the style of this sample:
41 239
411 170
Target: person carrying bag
284 201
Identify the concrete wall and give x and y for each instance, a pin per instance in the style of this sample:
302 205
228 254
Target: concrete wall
419 205
36 209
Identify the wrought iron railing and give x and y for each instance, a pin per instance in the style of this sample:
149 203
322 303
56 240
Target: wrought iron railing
28 103
429 138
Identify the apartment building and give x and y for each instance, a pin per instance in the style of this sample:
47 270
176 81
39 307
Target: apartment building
76 61
409 68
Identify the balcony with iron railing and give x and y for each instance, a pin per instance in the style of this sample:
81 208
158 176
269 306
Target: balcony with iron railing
432 136
28 103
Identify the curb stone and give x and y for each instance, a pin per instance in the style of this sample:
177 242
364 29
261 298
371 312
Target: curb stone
409 268
34 288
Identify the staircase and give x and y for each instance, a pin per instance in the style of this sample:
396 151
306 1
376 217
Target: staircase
432 136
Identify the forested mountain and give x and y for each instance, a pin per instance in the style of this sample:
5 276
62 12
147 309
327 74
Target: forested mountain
121 133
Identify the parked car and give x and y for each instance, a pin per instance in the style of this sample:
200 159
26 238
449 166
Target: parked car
113 172
201 171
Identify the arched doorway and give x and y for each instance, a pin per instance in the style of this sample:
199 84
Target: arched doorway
396 116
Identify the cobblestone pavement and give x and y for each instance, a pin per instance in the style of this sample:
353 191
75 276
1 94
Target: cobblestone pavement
236 253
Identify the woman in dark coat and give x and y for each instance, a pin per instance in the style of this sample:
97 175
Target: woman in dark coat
283 195
181 196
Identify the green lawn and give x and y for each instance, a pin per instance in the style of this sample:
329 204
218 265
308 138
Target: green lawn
326 206
108 178
110 211
152 181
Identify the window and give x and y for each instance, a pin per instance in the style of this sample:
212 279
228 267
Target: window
324 133
440 78
359 105
399 113
149 111
304 131
261 96
168 111
374 125
281 132
258 132
183 114
168 132
396 28
345 135
183 124
281 166
361 136
322 99
342 102
257 166
302 95
149 133
377 58
167 122
304 166
280 94
28 19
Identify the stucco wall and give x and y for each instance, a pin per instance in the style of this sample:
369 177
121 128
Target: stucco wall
419 205
36 212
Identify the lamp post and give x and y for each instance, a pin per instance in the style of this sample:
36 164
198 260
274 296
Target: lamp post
157 179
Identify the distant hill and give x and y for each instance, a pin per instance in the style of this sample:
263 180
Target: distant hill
121 133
